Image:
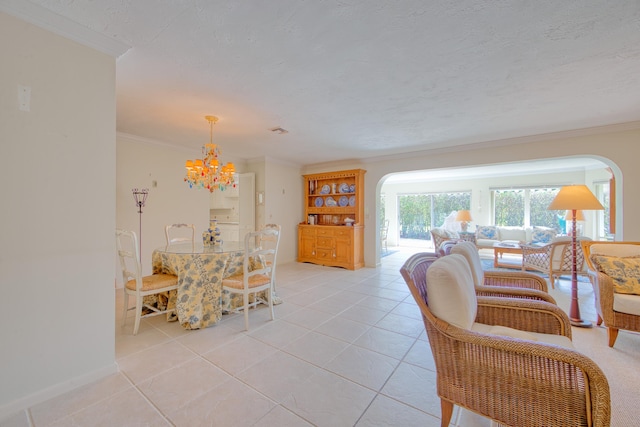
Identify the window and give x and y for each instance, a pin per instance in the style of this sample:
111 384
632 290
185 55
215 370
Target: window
526 207
418 213
603 217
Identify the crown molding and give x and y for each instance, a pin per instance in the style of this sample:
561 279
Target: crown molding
63 26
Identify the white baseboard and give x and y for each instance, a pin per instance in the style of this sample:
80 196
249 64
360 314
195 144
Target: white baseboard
11 408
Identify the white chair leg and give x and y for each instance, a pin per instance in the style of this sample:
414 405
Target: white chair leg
125 308
138 315
271 303
245 299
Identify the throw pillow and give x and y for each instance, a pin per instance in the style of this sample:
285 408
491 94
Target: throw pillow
625 272
486 232
541 235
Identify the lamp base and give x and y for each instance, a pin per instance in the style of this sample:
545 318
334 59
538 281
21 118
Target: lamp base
580 323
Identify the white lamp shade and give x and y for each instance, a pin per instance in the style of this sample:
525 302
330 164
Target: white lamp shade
575 197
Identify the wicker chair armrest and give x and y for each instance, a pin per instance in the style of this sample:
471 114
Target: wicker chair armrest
535 249
553 386
515 280
509 292
524 314
603 287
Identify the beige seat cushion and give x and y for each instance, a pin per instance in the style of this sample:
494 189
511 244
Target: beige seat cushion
155 281
626 303
558 340
237 281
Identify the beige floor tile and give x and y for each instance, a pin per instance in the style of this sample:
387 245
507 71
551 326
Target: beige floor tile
154 361
240 354
180 385
230 404
362 366
78 399
410 384
316 348
326 399
281 417
386 342
388 412
128 408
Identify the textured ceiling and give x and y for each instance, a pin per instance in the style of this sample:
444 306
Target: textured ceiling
361 78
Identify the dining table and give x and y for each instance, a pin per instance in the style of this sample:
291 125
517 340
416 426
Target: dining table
199 300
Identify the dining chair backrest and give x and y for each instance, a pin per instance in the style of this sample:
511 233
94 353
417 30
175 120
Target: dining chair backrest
137 285
180 233
270 241
129 256
257 273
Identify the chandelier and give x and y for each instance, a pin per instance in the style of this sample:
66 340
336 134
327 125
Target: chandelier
209 172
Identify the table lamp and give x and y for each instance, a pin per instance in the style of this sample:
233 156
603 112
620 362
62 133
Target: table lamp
464 217
574 198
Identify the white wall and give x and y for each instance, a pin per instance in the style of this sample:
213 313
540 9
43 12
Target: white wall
283 204
57 174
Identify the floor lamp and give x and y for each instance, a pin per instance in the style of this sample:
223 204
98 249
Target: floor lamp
140 196
573 198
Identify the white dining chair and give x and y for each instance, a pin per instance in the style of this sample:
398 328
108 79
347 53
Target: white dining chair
137 285
257 274
271 241
180 233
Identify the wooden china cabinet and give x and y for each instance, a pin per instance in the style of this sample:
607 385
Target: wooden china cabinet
332 233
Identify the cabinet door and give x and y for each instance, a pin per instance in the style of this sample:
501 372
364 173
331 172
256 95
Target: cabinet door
307 247
343 249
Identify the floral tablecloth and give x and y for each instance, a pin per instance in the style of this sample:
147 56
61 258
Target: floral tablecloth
199 300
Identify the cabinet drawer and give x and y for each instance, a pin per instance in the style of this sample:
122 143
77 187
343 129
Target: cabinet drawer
326 254
322 231
308 231
324 242
342 233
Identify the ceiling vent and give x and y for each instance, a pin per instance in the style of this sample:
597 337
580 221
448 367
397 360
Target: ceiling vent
279 130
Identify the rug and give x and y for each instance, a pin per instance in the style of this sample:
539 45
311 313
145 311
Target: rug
386 253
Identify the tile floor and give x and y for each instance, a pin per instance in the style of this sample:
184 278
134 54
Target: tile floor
347 348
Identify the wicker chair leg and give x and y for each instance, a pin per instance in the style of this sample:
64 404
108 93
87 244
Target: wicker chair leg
447 411
599 321
612 333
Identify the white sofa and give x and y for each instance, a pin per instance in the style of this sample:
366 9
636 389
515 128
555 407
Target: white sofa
487 236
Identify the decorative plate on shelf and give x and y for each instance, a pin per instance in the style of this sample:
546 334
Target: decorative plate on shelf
326 189
352 201
352 188
330 202
318 202
344 187
343 201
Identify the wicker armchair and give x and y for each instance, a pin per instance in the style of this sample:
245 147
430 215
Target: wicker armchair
486 367
618 311
554 258
440 236
518 284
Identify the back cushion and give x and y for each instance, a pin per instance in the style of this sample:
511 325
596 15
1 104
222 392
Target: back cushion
450 291
542 235
518 234
486 232
470 252
625 272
